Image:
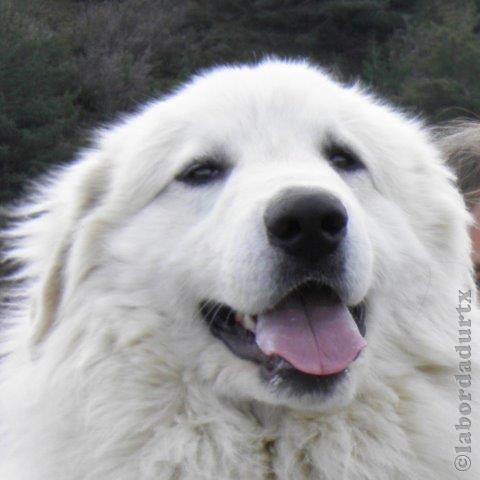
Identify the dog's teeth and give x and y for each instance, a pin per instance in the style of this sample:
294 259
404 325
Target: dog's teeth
246 321
249 323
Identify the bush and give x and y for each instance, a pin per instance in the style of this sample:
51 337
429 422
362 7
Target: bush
115 46
434 66
37 113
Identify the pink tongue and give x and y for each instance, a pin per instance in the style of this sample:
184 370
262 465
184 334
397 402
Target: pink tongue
316 336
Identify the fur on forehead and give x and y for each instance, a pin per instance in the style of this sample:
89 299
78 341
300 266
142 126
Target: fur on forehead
251 100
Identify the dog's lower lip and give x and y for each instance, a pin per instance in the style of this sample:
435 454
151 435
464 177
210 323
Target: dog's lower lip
238 333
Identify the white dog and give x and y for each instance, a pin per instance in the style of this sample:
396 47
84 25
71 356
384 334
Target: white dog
254 278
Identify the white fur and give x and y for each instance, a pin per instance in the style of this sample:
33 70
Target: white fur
112 375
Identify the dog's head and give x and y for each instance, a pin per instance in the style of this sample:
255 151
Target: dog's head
265 218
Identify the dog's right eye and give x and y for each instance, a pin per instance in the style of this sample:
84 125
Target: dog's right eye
201 173
343 159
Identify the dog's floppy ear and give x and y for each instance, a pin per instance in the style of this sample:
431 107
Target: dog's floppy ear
46 231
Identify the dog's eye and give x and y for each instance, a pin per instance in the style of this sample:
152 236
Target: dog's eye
202 172
344 160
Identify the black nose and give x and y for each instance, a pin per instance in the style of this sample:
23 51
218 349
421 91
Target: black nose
306 223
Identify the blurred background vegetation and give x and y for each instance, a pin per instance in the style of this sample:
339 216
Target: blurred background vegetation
66 65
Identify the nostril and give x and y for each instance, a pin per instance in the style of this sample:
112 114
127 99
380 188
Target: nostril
333 223
306 223
288 228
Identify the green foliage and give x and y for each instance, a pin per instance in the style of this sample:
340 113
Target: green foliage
113 44
433 67
324 31
36 101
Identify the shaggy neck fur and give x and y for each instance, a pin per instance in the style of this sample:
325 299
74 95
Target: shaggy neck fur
167 425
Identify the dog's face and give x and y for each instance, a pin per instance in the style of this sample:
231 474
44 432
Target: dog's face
259 209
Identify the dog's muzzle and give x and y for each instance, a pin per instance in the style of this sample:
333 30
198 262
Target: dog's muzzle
308 337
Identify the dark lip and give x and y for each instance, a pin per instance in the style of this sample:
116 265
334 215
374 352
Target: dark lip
220 319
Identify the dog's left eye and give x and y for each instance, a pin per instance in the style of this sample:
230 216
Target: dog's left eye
345 160
201 173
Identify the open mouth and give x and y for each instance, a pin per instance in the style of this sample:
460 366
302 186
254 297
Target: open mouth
308 339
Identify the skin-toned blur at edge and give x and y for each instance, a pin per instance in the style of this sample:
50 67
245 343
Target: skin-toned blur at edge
461 144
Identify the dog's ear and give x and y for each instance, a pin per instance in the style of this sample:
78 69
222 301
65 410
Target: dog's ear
46 232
